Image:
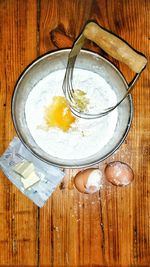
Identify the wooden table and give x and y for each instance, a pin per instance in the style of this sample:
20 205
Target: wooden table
109 228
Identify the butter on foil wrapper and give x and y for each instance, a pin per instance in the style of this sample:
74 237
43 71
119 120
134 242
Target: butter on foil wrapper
49 176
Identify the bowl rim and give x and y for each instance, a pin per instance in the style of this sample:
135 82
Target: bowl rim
22 139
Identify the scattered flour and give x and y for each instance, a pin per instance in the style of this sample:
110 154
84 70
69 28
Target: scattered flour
85 137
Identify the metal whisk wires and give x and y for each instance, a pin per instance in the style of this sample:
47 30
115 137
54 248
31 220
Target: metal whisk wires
68 86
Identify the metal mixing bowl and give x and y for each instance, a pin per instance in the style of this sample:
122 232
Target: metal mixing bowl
51 62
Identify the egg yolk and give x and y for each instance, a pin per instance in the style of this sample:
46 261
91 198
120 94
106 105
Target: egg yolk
58 114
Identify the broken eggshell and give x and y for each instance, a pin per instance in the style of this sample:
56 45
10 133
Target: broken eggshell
119 173
88 181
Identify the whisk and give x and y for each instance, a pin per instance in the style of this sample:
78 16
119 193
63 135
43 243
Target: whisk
115 47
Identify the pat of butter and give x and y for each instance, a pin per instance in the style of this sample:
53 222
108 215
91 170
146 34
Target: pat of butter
31 180
24 168
28 176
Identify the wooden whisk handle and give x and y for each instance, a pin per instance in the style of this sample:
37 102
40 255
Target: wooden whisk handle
115 47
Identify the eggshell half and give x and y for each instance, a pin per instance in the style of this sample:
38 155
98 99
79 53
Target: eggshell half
80 180
119 173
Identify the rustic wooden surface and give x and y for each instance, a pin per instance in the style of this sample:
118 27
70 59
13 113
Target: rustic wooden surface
109 228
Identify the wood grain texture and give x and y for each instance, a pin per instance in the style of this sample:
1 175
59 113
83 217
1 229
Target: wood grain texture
109 228
17 214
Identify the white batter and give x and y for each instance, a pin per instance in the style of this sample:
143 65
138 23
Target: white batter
85 137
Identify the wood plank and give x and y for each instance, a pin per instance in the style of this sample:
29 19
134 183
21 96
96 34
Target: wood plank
17 214
110 228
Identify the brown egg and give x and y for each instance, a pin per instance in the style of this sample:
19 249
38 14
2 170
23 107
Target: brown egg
88 181
119 173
